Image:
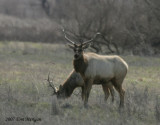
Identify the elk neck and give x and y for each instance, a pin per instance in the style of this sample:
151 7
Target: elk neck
69 86
80 65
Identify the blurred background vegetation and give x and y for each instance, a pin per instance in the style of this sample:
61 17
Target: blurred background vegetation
128 27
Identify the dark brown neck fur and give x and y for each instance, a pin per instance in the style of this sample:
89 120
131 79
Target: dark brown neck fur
69 86
80 65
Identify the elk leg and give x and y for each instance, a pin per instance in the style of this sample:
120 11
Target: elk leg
111 89
108 88
118 86
106 91
87 89
83 93
121 93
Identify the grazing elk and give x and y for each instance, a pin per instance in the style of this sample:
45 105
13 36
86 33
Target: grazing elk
75 80
94 67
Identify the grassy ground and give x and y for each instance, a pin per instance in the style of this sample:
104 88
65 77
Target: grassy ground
26 99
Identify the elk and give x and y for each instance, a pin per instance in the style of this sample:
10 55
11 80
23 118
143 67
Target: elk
75 80
93 67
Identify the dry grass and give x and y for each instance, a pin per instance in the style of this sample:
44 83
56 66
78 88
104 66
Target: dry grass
37 30
24 92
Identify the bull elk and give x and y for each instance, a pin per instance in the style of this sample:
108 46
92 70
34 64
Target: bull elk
75 80
93 67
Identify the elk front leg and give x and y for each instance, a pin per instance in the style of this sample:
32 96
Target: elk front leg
87 89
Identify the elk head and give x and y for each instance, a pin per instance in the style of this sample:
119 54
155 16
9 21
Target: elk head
79 48
58 92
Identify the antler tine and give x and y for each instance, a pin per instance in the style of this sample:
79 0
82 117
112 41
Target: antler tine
48 77
92 38
50 83
67 37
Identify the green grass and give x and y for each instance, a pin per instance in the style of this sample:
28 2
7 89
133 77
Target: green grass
24 66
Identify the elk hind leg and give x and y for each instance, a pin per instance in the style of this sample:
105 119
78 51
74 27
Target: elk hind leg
111 89
118 86
106 91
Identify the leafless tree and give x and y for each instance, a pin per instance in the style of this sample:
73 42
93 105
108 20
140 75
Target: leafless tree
125 25
45 6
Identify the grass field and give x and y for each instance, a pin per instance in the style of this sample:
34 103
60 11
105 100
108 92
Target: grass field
25 98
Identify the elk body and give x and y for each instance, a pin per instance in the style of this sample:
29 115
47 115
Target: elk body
94 67
75 80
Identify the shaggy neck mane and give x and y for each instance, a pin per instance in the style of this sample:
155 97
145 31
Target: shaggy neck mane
80 64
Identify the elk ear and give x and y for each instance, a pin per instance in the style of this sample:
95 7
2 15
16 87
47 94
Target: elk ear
85 46
70 46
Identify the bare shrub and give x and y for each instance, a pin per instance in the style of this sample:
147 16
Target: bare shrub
55 106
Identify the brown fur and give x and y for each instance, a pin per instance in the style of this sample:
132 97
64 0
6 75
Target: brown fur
94 67
75 80
80 65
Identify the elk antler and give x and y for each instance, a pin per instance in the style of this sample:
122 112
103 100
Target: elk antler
50 82
67 37
84 43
